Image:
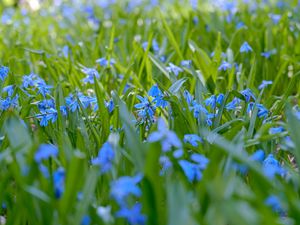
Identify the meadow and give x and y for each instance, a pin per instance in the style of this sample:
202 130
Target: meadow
149 112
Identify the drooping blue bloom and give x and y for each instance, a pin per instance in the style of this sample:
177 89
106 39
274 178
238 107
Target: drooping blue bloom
166 164
258 156
125 186
63 110
3 72
267 54
9 102
262 111
91 73
145 109
233 104
105 157
154 91
274 202
174 69
167 137
178 153
188 97
271 167
133 215
104 62
186 63
59 182
72 103
192 139
86 220
245 47
45 151
29 80
110 105
275 18
211 101
220 99
224 66
9 90
191 170
264 84
43 88
276 130
247 93
45 104
201 160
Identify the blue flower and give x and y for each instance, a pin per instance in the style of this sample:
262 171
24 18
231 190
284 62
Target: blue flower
104 62
186 63
145 109
193 139
264 84
154 91
168 138
91 73
63 110
110 105
247 93
262 111
59 182
166 164
86 220
274 202
133 215
211 101
201 160
45 151
258 156
271 167
220 98
45 104
191 170
276 130
275 18
174 69
105 157
9 90
245 47
267 54
9 102
3 72
72 103
224 66
29 80
43 88
124 186
188 97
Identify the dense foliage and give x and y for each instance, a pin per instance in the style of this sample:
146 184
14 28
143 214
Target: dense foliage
150 112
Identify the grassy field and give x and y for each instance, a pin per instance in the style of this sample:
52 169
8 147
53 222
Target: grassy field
150 112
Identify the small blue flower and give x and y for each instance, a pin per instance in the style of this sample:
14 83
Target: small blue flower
104 62
154 91
45 151
174 69
276 130
247 93
193 139
211 101
9 90
166 164
146 110
271 167
264 84
191 170
274 202
262 111
72 103
275 18
178 153
188 97
258 156
245 47
220 98
267 54
124 186
201 160
105 157
59 182
86 220
186 63
3 72
91 73
63 110
224 66
43 88
168 138
133 215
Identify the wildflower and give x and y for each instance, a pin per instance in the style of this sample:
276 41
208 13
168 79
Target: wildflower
245 47
9 102
91 73
110 105
72 103
191 170
274 202
168 138
220 99
186 63
105 213
174 69
86 220
224 66
154 91
267 55
45 151
9 90
43 88
158 96
211 101
145 109
133 215
3 72
125 186
201 160
276 130
188 97
275 18
247 93
264 84
105 157
262 111
59 182
258 156
105 62
192 139
271 167
63 110
166 164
